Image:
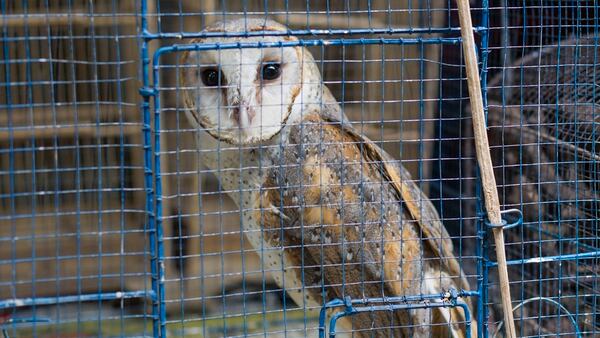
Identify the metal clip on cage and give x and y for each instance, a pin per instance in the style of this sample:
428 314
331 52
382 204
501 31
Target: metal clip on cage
505 225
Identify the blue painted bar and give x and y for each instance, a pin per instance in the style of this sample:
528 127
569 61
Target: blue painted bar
158 316
448 299
25 302
482 250
557 258
350 310
310 32
303 43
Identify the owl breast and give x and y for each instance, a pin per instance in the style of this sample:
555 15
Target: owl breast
243 176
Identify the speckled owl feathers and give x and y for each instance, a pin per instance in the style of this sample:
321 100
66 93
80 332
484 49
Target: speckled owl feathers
346 217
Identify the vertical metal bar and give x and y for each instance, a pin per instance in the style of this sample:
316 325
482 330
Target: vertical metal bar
482 269
483 248
160 254
158 195
151 227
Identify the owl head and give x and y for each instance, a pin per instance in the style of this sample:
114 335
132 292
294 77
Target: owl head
247 95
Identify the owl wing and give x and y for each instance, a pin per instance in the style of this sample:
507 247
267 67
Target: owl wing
445 272
350 222
420 207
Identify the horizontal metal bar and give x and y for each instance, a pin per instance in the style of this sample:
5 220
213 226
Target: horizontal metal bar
558 258
402 299
106 296
307 32
390 304
303 43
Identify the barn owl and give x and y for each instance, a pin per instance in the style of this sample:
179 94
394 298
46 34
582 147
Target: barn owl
331 214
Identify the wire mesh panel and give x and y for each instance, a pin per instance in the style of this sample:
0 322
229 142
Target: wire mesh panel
215 269
73 250
543 116
222 275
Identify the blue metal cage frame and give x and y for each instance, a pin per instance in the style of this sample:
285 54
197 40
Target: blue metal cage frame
156 209
152 128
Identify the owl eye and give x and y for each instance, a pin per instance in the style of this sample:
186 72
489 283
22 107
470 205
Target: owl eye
271 71
211 77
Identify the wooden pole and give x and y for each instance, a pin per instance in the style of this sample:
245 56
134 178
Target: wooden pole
490 192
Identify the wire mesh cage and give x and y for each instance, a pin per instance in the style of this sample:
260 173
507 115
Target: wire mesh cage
543 119
71 168
553 128
300 168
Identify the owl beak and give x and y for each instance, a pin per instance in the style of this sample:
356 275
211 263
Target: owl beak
243 115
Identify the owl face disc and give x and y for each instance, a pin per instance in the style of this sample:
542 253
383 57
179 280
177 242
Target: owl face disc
242 95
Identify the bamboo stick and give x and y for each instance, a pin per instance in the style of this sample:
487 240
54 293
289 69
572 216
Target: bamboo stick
490 192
